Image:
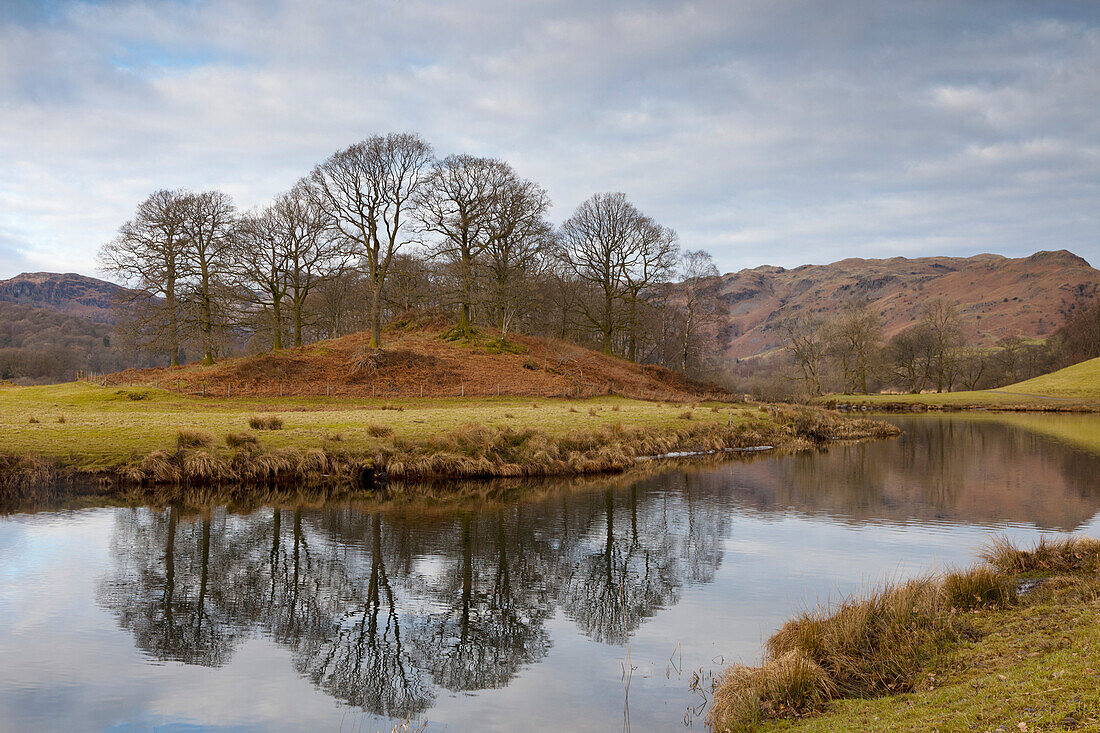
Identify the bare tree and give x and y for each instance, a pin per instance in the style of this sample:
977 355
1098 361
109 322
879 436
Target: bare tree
309 246
599 245
519 237
258 262
657 250
701 308
208 226
806 342
150 256
460 207
908 355
856 335
367 190
945 336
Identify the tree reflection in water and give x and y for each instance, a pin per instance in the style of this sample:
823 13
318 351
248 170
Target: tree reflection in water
385 610
380 610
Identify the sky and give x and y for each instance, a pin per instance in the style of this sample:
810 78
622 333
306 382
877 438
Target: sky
777 132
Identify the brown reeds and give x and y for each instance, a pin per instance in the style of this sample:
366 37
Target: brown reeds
240 440
265 422
876 644
193 439
1066 555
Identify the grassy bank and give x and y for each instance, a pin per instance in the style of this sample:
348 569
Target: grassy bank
1073 389
962 652
142 436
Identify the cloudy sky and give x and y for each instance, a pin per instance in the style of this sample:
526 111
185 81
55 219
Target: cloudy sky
766 131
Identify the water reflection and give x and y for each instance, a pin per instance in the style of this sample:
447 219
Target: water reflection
390 611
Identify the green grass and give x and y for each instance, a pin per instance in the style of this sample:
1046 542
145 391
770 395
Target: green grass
1075 387
105 427
1038 665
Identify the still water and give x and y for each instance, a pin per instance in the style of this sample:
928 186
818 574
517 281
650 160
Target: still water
527 615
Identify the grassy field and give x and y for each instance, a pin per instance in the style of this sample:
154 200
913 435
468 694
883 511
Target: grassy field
104 426
964 652
1076 387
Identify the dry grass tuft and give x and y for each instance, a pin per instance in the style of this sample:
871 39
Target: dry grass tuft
1067 555
790 684
61 419
592 412
379 431
686 415
980 587
240 440
265 422
189 439
33 420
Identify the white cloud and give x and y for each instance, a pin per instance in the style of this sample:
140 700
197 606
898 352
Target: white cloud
741 125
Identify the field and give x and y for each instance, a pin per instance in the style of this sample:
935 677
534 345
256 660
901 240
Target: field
103 427
1075 388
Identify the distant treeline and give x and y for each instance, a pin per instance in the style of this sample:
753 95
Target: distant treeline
384 229
38 345
848 353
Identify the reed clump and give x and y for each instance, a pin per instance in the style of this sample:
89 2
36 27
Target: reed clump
240 440
265 422
1066 555
379 431
194 439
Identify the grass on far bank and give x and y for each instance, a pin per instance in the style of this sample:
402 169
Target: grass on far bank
958 653
149 437
106 427
1076 387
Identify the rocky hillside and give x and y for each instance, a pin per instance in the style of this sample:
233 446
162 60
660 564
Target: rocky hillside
70 293
997 296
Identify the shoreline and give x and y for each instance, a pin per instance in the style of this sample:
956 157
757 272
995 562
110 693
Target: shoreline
470 452
910 656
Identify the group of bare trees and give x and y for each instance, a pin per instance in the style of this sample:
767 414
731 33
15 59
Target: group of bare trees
385 229
847 352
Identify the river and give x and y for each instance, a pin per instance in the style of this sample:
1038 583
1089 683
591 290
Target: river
588 606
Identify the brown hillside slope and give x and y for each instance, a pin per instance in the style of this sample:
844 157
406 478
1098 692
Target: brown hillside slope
997 296
418 360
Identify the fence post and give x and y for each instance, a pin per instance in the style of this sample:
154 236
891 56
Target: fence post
463 388
422 390
228 390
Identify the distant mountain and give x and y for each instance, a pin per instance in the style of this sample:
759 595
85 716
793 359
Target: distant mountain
996 296
70 293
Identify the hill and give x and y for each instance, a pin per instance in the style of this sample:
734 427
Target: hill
1075 382
69 293
997 296
419 361
1075 388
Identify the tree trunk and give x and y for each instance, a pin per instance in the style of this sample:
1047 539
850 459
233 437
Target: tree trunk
376 316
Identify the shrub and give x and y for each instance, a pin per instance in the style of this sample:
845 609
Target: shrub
192 439
240 440
265 422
